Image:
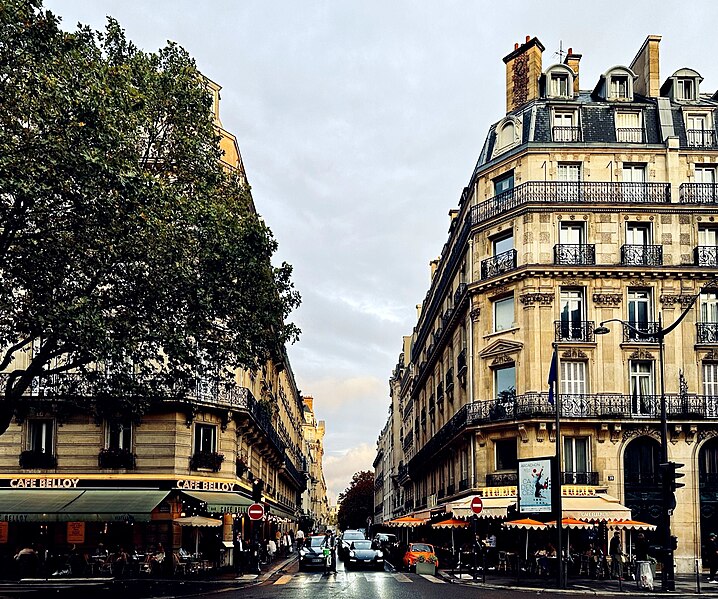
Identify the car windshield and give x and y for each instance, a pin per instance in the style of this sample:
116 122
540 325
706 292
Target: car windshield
352 535
316 541
422 547
361 544
387 538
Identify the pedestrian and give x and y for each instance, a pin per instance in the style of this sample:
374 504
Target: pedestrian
615 550
239 549
300 538
271 549
712 549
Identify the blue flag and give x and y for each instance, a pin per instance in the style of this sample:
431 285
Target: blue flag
552 376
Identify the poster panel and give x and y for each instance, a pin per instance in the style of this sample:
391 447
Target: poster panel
535 485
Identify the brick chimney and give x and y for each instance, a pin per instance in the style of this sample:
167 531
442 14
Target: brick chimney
309 402
523 69
572 61
646 66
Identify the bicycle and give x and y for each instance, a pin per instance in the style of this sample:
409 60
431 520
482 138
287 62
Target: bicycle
327 552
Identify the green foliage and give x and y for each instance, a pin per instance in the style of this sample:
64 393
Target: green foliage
357 501
128 253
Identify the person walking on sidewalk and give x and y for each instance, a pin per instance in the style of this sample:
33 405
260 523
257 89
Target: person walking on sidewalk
615 550
712 549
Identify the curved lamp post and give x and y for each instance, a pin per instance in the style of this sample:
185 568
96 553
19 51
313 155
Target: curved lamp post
668 568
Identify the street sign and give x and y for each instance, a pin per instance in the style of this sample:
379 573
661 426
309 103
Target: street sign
477 505
255 511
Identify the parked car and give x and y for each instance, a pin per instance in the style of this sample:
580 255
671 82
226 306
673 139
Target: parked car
311 554
389 544
364 553
416 552
348 536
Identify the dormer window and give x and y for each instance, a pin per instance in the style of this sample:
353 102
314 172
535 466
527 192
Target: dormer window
619 87
508 135
686 89
559 85
616 84
559 81
682 86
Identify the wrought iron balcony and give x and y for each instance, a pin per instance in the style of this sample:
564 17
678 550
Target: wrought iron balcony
408 440
40 460
648 332
574 254
409 505
499 264
408 409
461 363
642 255
459 293
698 193
449 380
629 135
450 490
206 460
705 255
499 479
441 494
579 478
566 133
116 459
574 331
707 332
701 138
549 192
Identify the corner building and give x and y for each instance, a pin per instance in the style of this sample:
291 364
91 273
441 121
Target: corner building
586 204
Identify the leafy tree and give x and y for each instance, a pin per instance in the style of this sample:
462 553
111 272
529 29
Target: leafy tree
132 261
357 501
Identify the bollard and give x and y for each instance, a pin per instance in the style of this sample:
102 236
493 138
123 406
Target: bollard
698 576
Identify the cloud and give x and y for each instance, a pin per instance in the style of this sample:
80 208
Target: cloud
340 467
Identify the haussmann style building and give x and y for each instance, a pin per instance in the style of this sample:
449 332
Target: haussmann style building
590 201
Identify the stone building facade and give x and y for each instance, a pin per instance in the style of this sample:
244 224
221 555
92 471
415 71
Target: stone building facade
315 504
586 204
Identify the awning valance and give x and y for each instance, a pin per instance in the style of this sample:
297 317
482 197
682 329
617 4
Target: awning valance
493 507
281 513
221 503
111 505
595 508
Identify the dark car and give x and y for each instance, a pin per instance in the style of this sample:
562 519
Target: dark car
364 553
311 554
389 544
348 536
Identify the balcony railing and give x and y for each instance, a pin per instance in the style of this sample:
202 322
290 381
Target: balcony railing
574 254
648 332
579 478
206 460
461 363
701 138
707 332
705 255
574 331
450 380
116 459
450 490
642 255
549 192
698 193
38 460
499 264
506 479
566 133
629 135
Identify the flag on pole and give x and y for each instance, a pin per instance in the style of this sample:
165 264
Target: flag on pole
552 376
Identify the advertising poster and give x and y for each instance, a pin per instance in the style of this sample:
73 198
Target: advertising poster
535 485
75 532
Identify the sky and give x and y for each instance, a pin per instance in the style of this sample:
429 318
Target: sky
359 123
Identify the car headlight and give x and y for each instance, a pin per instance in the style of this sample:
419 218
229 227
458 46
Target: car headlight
379 554
302 552
351 554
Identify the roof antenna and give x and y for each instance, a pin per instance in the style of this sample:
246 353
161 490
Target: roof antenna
560 52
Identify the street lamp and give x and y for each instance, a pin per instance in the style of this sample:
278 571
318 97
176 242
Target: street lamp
668 568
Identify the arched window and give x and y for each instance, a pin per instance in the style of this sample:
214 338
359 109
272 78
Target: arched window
559 81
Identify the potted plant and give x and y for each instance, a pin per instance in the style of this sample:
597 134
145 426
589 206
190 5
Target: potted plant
426 565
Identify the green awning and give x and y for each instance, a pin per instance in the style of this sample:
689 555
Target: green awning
34 505
221 503
116 505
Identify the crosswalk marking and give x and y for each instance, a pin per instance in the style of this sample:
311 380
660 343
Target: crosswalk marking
433 579
401 578
284 579
342 577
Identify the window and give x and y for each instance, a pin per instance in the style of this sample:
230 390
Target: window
572 233
707 250
205 438
576 455
506 455
685 89
504 183
565 126
639 308
504 314
638 234
41 436
464 463
507 134
705 174
559 85
710 379
638 249
634 173
505 383
709 307
572 315
619 88
569 172
641 385
503 244
699 131
573 378
629 127
119 435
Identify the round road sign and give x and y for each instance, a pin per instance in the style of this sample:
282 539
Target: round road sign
477 505
255 511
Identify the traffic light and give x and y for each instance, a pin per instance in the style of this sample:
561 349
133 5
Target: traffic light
257 488
671 476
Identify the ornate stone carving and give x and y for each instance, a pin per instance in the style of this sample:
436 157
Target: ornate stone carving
676 433
607 299
615 433
641 354
500 347
475 313
520 78
644 431
574 353
603 433
672 300
638 282
711 356
691 433
529 299
499 360
541 432
706 434
571 283
480 439
523 433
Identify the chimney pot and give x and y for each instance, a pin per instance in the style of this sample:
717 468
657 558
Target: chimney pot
516 46
528 39
570 50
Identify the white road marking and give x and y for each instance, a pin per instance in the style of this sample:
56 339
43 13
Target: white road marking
433 579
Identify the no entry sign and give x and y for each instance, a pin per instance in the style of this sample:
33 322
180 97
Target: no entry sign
477 505
255 511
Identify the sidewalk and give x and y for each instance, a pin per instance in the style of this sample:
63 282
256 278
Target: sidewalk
685 584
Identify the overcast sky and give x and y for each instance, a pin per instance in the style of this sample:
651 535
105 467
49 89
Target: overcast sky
359 124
